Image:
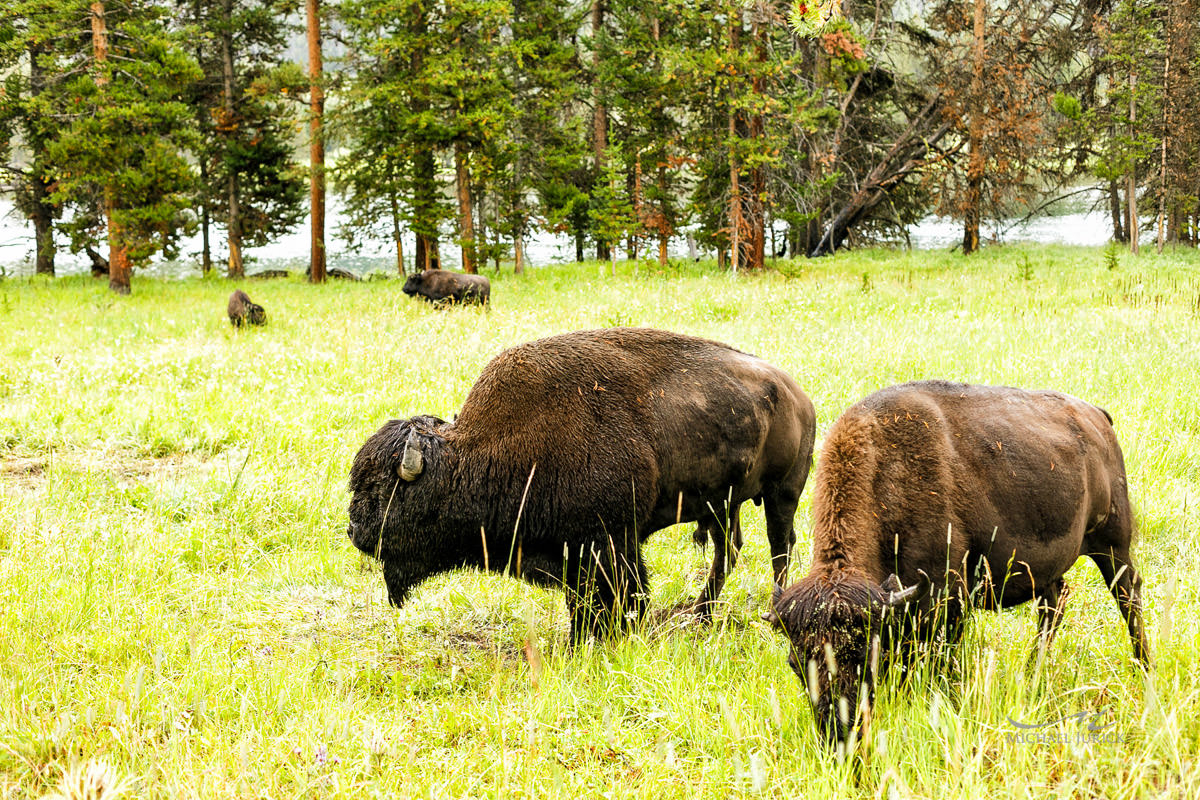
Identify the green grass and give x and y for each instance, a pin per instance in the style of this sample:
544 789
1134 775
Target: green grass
179 602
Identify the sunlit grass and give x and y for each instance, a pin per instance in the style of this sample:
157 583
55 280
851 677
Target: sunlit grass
179 603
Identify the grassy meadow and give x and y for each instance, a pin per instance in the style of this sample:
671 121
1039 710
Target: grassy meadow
182 615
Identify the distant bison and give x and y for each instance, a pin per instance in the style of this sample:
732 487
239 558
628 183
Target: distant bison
438 285
570 451
966 495
242 310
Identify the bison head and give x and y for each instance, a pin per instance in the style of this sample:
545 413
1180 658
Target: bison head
837 624
396 486
414 284
256 314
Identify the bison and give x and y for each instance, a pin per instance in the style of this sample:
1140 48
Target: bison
437 285
243 310
933 497
570 451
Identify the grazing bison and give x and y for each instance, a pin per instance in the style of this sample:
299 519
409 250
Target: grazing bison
242 310
437 285
570 451
966 495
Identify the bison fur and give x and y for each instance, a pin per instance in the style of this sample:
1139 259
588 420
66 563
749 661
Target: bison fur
570 451
440 286
243 310
932 498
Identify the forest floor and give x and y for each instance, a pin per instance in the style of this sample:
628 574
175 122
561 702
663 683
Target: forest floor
182 615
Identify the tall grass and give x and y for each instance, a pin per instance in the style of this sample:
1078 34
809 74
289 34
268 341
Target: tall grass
181 614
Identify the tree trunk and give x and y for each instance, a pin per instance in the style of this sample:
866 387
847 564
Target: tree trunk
1162 176
519 216
205 215
466 218
316 272
1131 178
425 208
599 112
975 159
41 210
99 262
1114 207
664 232
757 221
230 130
633 185
913 145
735 194
119 268
205 223
395 204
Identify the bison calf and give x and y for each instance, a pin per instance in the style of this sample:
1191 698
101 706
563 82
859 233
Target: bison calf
966 495
570 451
437 285
242 310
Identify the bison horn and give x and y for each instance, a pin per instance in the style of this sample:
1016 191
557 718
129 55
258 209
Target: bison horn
897 597
411 462
772 616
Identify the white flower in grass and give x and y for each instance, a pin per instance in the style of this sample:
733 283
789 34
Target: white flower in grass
92 780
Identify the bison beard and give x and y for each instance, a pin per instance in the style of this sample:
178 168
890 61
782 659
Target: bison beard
992 492
570 451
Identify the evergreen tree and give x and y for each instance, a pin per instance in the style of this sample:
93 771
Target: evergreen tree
34 39
1180 164
541 152
996 65
243 106
612 210
391 112
124 132
644 115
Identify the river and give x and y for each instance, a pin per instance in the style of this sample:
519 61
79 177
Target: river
1078 225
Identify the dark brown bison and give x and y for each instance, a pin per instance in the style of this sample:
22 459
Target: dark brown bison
437 285
242 310
570 451
966 495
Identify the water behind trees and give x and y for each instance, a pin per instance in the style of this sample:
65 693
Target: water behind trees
1077 223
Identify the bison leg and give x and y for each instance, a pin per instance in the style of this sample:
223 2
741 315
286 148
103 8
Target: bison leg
1116 565
606 590
727 543
780 510
1051 603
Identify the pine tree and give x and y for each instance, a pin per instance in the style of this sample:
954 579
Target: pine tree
995 65
123 132
33 42
1132 37
395 110
612 210
1180 167
541 151
243 105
